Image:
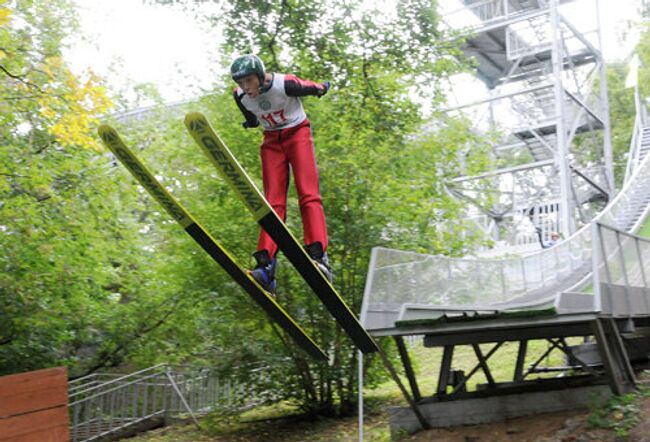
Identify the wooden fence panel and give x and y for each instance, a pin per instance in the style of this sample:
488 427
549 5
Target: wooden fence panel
34 406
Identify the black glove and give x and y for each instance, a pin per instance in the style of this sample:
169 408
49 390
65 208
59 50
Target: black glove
248 125
538 230
326 87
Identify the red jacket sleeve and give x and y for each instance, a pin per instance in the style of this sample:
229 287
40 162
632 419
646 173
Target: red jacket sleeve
296 87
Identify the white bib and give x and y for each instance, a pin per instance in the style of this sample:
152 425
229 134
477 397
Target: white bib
274 108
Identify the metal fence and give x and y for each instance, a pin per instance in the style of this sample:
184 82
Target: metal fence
621 281
487 11
107 404
529 37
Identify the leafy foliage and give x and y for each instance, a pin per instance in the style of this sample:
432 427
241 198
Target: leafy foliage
381 181
94 274
621 102
620 413
70 267
39 91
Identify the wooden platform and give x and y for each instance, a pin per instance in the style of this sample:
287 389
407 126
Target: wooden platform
603 367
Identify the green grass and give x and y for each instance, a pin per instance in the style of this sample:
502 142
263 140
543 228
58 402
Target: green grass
501 363
281 422
620 414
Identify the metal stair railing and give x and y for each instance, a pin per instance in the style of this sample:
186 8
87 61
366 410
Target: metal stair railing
639 146
104 405
528 37
98 408
486 12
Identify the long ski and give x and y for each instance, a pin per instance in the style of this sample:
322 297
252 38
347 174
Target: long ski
113 141
234 174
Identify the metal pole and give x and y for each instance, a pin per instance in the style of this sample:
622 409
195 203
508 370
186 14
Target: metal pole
595 266
645 282
604 101
603 255
562 152
182 398
360 364
620 253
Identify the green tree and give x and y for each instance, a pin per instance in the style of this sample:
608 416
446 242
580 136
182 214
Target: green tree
622 114
622 108
381 180
71 279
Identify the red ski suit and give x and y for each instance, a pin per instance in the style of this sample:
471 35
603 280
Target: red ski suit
287 144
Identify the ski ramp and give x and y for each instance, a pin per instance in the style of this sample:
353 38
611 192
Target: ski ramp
406 286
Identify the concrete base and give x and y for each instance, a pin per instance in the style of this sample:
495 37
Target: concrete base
472 411
637 348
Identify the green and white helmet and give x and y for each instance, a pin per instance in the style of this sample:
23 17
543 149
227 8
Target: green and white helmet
247 65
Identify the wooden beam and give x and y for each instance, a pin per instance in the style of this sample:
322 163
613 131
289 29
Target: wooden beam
482 361
393 373
408 368
476 368
611 358
34 406
445 368
521 360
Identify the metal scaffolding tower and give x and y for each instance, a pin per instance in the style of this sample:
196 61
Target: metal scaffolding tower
548 104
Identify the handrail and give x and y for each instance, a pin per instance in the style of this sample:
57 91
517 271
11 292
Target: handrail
488 11
118 378
635 146
620 277
98 409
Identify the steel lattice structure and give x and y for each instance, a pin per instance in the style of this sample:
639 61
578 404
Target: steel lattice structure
548 102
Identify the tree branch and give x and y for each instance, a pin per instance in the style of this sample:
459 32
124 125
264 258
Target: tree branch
19 78
106 357
7 340
273 39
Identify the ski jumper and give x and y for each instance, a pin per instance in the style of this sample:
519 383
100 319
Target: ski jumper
287 144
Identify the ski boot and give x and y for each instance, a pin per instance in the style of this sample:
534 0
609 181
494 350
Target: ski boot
315 251
264 271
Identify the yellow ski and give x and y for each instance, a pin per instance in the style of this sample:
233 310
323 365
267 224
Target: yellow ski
240 182
112 141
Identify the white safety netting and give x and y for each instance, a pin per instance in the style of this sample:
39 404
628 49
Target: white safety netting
400 278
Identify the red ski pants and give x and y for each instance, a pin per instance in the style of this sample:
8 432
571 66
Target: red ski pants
281 150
